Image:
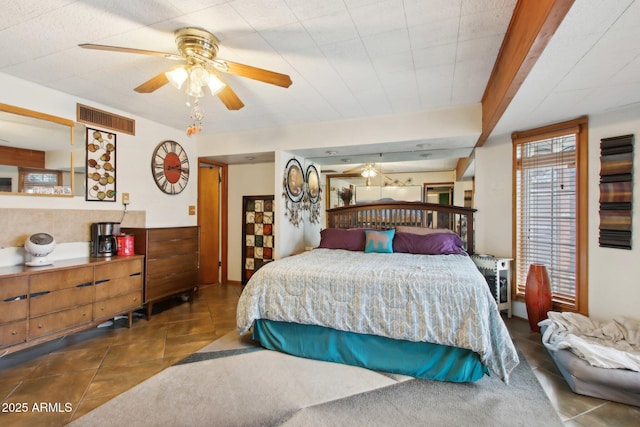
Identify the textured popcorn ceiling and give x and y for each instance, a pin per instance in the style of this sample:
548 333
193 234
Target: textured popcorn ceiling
348 59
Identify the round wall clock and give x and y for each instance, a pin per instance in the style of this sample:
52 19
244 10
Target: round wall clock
170 167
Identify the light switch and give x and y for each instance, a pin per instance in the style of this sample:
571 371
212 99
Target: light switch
192 210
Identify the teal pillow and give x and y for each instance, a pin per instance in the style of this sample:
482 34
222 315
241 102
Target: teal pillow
379 241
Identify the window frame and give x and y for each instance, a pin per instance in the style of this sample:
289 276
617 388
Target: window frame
24 173
578 126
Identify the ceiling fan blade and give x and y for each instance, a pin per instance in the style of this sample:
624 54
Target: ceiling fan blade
130 50
254 73
354 170
155 83
230 99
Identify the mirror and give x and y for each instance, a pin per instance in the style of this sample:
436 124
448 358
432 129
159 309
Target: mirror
439 192
37 153
349 188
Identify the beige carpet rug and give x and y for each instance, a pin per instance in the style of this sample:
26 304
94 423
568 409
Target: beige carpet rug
233 382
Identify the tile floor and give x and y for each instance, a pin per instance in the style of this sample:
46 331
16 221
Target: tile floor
61 380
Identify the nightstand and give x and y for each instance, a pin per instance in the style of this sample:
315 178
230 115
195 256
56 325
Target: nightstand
497 272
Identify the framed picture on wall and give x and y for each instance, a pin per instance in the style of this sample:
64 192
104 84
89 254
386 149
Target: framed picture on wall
294 179
101 166
313 184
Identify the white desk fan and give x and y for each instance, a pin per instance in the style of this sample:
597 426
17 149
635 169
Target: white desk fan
39 245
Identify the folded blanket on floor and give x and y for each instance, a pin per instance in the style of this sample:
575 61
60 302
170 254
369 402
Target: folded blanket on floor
606 345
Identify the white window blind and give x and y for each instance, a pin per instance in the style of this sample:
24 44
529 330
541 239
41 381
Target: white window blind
33 178
546 212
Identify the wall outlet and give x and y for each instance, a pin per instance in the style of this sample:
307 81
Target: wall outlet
192 210
125 198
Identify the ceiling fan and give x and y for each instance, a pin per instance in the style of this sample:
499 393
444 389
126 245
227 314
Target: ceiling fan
199 50
369 171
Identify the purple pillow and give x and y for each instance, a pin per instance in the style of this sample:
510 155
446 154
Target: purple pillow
429 244
352 239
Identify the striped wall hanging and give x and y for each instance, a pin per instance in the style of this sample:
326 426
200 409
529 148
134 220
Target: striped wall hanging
616 186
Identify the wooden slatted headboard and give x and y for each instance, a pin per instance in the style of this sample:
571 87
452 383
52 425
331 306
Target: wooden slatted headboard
387 215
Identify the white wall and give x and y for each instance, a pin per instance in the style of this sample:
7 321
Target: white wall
443 123
246 180
613 273
133 159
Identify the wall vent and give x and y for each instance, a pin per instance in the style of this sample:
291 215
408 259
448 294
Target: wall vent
93 116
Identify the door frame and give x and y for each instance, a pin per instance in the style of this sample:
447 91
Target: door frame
224 213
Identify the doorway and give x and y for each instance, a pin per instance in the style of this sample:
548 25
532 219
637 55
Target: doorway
212 220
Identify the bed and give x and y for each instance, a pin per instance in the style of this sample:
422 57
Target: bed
417 306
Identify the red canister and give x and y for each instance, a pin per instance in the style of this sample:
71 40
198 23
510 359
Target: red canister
125 245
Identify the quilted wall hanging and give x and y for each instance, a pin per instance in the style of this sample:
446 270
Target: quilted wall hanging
257 234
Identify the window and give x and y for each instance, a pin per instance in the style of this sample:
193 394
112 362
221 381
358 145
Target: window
31 180
550 210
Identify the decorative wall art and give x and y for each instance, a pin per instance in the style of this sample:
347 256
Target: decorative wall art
616 186
294 180
293 191
257 234
301 191
101 166
312 194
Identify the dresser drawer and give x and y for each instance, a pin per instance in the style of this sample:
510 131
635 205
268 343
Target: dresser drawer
13 298
172 248
116 269
110 307
43 303
179 263
159 235
63 279
13 333
13 310
13 287
59 320
171 285
123 285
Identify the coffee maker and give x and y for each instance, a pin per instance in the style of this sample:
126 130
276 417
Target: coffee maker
103 239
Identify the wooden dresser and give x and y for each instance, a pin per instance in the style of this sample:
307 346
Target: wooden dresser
38 304
171 261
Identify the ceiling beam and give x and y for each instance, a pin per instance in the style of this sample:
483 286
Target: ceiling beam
532 25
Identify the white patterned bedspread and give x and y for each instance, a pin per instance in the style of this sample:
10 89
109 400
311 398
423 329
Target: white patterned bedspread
441 299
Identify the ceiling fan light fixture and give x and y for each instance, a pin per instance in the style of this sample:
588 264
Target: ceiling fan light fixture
177 77
194 89
369 171
215 84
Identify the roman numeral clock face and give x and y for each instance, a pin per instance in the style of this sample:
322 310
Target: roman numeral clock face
170 167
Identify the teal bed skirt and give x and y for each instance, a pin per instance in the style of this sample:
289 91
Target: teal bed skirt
417 359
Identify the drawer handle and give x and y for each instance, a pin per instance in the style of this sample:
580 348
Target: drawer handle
84 285
135 299
135 274
101 308
16 298
98 282
14 332
39 325
38 294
